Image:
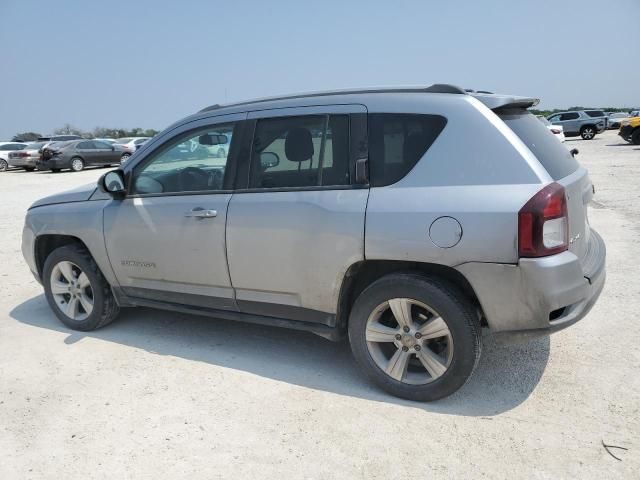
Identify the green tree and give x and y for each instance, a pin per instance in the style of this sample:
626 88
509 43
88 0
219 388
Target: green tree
26 137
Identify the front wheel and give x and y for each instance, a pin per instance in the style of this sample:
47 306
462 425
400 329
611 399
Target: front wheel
77 164
4 166
76 290
124 158
587 133
416 337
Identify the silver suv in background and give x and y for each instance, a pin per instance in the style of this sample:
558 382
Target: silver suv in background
579 123
346 213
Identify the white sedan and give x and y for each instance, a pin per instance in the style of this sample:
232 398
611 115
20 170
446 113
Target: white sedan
557 130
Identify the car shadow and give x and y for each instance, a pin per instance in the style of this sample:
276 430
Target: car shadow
504 378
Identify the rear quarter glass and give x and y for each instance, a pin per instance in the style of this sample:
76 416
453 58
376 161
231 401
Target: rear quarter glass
551 153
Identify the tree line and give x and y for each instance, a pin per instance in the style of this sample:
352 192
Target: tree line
98 132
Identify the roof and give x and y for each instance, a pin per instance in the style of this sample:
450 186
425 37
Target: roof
490 99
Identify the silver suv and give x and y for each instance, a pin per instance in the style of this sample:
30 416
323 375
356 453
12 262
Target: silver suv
585 123
407 219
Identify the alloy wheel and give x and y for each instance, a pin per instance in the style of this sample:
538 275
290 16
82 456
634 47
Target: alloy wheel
409 341
71 290
4 166
588 133
77 165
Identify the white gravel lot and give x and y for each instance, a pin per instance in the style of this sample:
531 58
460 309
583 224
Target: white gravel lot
164 395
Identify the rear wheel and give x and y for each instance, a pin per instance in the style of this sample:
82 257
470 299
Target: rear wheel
635 136
77 164
4 166
588 132
76 290
415 337
124 158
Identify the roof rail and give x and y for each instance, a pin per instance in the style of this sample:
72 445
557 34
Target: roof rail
435 88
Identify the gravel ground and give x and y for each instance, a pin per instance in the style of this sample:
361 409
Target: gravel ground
163 395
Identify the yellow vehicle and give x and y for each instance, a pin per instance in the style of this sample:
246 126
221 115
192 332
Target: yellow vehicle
630 130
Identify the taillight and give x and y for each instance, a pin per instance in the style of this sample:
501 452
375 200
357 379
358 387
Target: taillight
543 223
556 131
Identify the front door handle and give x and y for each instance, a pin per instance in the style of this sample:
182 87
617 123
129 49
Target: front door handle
200 213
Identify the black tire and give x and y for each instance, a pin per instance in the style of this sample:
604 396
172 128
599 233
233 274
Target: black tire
4 166
588 132
635 136
453 307
105 308
76 164
124 158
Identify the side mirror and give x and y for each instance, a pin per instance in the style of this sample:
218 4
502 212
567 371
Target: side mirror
113 183
269 160
574 152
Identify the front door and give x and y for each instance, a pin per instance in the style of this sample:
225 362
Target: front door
298 223
166 240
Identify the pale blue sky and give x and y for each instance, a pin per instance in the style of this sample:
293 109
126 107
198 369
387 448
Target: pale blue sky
146 64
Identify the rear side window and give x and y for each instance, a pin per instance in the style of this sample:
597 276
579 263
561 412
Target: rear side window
397 142
595 113
305 151
553 156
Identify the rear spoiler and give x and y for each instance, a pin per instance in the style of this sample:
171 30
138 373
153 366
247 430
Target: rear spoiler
501 102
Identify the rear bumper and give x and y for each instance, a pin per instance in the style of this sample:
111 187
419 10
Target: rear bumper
539 296
22 162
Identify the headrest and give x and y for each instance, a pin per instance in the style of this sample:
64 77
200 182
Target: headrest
298 145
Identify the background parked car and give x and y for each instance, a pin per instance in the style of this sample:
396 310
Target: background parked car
630 130
615 118
5 148
110 141
557 130
130 145
77 154
26 158
578 123
599 114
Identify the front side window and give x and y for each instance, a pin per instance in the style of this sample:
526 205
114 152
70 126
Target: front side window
397 142
304 151
192 162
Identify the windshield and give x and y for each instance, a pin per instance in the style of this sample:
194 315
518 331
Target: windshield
551 153
35 146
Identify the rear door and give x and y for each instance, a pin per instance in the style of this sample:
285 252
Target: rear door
298 223
88 152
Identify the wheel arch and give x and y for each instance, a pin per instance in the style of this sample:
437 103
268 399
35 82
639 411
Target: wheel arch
47 243
362 274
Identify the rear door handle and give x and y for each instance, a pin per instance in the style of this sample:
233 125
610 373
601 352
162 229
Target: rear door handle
200 213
